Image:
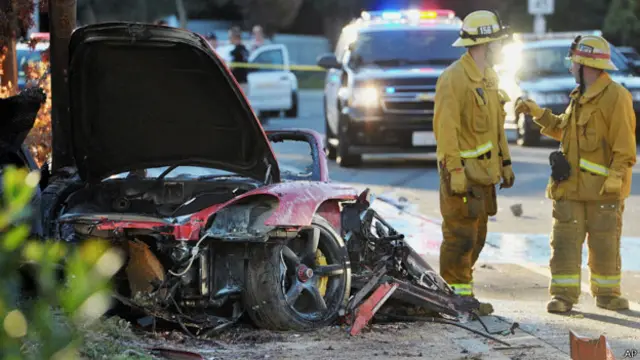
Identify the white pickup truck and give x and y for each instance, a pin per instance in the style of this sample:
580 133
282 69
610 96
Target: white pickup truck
271 91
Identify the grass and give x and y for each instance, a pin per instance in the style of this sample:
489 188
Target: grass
111 338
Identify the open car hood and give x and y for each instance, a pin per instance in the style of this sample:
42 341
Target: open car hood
144 96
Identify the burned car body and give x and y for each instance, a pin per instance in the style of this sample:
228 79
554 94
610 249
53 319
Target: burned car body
233 231
201 245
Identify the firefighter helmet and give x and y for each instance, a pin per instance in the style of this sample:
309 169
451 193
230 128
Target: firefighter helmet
481 27
592 51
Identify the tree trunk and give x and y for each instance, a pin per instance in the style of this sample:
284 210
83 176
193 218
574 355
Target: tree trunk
10 68
62 15
182 13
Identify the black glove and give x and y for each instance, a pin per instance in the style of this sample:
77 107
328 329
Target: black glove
560 167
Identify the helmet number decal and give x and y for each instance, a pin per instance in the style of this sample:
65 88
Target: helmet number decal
485 30
585 48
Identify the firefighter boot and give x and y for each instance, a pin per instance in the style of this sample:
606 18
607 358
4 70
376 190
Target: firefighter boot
558 305
485 309
612 302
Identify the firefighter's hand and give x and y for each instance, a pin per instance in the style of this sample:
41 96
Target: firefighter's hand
613 185
508 177
458 182
528 107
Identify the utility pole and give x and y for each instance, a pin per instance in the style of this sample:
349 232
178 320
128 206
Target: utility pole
62 21
540 8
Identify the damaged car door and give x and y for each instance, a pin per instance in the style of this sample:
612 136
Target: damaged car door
300 154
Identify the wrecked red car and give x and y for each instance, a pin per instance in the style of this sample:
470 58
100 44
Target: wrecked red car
172 166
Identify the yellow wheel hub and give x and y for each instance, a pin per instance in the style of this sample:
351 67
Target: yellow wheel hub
321 260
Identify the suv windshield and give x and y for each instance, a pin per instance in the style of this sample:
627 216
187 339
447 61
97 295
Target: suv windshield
550 61
407 47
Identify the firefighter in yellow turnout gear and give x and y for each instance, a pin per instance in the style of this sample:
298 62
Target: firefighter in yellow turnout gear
597 132
472 150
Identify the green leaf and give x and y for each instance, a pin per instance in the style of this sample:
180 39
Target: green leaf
15 237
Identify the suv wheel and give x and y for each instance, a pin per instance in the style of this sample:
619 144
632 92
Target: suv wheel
328 135
344 158
528 134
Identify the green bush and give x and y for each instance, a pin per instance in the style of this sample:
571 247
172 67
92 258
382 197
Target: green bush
48 325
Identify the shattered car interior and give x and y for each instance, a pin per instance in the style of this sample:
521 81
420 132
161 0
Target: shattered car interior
184 180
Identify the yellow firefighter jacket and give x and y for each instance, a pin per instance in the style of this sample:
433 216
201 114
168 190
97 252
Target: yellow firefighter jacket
597 132
469 122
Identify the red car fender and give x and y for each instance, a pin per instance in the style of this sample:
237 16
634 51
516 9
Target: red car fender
297 203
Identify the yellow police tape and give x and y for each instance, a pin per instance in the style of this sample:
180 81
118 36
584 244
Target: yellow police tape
276 67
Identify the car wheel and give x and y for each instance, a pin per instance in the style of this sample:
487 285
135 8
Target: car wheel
344 158
302 285
52 198
328 135
528 135
293 112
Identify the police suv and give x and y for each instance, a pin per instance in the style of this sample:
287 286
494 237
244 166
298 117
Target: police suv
537 69
380 88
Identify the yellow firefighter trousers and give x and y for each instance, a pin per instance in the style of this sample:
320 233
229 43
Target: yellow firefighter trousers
572 221
464 228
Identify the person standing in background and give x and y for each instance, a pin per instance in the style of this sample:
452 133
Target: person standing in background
212 39
239 54
258 37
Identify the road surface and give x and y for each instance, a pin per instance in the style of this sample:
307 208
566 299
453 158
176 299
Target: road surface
512 273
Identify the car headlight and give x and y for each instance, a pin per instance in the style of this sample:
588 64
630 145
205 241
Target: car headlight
549 98
368 96
242 221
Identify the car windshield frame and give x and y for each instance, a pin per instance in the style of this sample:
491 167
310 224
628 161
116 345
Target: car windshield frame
381 45
178 173
527 72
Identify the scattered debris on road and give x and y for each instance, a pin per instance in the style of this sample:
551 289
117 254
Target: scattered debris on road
516 210
389 282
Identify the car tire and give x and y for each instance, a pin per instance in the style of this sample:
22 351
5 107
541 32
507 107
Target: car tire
328 135
528 135
52 199
293 112
271 278
343 157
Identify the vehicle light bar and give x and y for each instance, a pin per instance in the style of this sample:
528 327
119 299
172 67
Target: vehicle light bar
42 36
569 35
408 15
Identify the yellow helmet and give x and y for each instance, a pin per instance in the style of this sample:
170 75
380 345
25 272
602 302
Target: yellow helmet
592 51
481 27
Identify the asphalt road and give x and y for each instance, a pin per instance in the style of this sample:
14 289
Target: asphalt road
517 284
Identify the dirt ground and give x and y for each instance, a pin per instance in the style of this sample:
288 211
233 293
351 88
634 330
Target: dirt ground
383 341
